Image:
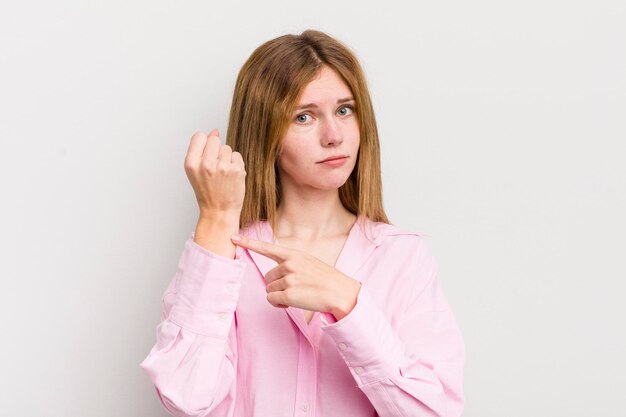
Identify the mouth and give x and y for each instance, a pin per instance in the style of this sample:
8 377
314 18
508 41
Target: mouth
332 158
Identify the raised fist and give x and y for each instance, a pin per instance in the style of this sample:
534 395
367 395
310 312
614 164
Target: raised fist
216 173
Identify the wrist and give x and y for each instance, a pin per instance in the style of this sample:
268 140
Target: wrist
213 233
346 304
219 218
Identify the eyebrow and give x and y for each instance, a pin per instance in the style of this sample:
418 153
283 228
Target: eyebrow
314 106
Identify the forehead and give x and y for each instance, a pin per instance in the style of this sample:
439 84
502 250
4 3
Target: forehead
326 84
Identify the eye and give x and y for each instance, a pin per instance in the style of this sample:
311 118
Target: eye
302 118
345 110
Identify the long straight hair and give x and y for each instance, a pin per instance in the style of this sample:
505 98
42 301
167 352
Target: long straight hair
266 94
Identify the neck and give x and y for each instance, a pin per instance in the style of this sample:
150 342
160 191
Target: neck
311 214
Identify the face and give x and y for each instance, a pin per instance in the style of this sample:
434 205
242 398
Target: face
324 125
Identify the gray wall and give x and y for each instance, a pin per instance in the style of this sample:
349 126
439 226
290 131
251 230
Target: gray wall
502 127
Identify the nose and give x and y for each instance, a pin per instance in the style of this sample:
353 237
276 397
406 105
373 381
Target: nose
331 134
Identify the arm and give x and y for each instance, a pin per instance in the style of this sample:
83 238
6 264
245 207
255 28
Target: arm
194 361
415 369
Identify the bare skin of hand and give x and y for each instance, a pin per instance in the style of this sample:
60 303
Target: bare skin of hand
216 173
304 281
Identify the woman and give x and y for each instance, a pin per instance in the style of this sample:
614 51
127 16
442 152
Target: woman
294 295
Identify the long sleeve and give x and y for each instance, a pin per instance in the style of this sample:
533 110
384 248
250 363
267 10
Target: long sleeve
193 364
415 369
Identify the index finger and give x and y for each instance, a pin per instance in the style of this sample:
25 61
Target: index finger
196 146
275 252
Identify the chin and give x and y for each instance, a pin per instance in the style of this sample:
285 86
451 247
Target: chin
331 183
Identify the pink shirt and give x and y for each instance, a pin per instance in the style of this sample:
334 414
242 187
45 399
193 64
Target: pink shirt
223 350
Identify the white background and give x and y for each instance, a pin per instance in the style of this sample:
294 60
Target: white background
502 126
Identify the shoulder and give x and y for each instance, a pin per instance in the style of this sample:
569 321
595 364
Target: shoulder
390 232
259 229
401 241
404 253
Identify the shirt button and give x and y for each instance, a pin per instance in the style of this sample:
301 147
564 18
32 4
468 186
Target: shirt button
305 407
358 370
343 346
222 316
231 288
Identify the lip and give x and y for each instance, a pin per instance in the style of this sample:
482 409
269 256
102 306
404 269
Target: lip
334 162
332 158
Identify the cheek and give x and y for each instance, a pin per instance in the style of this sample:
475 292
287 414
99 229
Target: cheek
353 131
297 148
355 141
293 160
